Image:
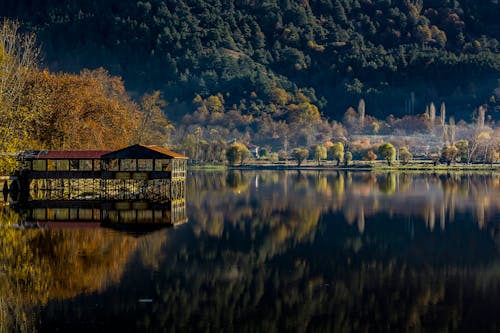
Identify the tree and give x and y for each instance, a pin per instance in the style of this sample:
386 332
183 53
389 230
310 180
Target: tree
405 155
320 153
463 150
237 152
388 152
449 154
453 130
492 155
18 60
370 156
362 113
155 127
300 154
337 151
348 158
87 111
279 96
432 116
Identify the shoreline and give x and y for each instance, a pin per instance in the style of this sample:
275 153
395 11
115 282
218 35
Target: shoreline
412 167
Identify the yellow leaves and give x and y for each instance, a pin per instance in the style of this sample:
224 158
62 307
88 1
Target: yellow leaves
87 111
279 96
214 104
304 113
484 136
314 46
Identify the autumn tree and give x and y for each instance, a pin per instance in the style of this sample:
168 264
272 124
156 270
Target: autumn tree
155 128
370 156
348 158
388 152
300 154
337 152
237 153
463 150
87 111
492 155
449 154
320 153
405 155
18 59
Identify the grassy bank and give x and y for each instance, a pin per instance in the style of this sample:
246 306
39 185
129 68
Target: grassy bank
423 166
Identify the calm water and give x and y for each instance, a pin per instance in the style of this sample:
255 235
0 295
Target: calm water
273 251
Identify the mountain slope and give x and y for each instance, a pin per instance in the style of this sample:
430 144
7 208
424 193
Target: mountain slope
336 51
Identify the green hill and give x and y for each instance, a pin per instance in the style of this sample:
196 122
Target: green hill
336 51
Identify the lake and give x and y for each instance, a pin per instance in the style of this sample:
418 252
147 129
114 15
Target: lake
271 251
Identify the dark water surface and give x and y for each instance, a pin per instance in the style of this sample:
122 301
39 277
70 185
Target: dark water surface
273 252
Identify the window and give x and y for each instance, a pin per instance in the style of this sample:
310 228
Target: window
62 165
39 214
73 165
39 165
51 165
163 165
145 165
111 165
127 165
97 165
85 165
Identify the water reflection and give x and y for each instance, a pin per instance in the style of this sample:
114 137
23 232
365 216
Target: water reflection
277 251
61 261
434 198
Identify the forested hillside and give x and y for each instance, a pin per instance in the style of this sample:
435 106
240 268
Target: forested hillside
398 55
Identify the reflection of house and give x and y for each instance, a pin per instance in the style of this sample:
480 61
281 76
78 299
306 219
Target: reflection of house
107 213
134 172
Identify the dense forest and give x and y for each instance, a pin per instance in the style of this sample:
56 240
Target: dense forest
200 75
399 55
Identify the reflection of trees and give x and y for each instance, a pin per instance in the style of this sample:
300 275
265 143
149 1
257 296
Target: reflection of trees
288 212
387 185
41 264
282 204
279 256
216 284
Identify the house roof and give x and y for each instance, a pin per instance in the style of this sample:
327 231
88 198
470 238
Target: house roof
71 154
143 151
166 151
134 151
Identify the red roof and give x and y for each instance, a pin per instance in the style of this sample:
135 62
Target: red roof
71 154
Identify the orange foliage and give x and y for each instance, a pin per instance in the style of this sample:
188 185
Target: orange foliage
86 111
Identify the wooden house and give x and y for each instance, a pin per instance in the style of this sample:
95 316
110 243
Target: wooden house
134 172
